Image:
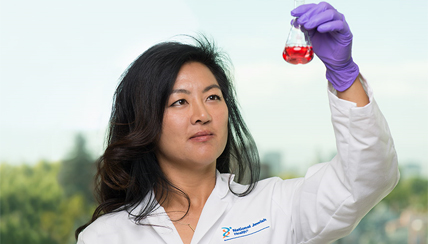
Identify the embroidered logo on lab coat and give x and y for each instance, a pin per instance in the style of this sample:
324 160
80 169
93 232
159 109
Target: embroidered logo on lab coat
230 233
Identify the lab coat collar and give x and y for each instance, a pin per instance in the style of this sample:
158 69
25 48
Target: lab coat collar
158 220
161 223
214 208
222 184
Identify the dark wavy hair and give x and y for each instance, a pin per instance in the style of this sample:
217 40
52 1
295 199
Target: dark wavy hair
128 171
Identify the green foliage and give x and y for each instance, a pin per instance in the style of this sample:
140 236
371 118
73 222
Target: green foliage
409 193
36 208
26 190
77 172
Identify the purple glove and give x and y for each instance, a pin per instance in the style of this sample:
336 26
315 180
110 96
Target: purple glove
331 40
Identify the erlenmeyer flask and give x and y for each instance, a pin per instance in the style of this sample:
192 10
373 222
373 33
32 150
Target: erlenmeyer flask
298 48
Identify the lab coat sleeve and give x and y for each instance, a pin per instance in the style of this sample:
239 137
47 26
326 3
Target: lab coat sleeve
333 197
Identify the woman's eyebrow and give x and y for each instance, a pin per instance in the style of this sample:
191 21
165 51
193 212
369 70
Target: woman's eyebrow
181 91
211 87
206 89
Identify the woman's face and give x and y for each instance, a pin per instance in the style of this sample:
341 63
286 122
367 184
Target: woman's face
194 127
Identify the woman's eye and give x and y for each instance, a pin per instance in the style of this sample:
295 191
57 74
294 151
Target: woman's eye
179 102
214 97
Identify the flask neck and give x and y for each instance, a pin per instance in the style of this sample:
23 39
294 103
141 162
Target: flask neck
297 3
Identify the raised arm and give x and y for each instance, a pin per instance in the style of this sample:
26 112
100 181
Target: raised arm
333 197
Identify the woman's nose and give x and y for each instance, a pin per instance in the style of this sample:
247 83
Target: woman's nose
200 114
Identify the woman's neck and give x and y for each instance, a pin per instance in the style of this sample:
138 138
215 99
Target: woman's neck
197 184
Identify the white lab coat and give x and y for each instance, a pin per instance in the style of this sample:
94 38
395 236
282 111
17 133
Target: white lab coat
323 206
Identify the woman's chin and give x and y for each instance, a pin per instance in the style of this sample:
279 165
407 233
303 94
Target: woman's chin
203 164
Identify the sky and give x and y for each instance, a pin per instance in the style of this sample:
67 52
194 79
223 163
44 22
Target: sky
60 62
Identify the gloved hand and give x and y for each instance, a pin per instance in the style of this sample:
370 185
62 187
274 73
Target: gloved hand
331 41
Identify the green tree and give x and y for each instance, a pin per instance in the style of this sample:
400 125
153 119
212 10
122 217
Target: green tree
26 193
409 193
77 172
35 208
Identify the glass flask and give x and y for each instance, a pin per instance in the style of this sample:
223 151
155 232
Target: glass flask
298 48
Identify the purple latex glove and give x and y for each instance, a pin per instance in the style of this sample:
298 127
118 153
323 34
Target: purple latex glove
331 40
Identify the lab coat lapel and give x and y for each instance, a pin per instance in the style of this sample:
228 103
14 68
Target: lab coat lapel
159 221
214 208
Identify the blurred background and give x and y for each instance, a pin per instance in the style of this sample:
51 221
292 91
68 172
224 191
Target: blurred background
59 66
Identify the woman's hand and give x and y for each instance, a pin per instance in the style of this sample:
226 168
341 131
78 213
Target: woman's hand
331 40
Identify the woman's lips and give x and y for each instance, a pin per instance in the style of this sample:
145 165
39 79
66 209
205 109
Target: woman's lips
202 136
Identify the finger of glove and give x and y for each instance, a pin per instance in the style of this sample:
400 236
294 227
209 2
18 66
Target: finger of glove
297 12
330 15
337 25
313 11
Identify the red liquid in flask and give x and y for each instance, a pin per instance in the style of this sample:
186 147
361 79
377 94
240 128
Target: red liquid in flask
298 55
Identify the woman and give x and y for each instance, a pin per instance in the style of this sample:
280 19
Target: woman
176 134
